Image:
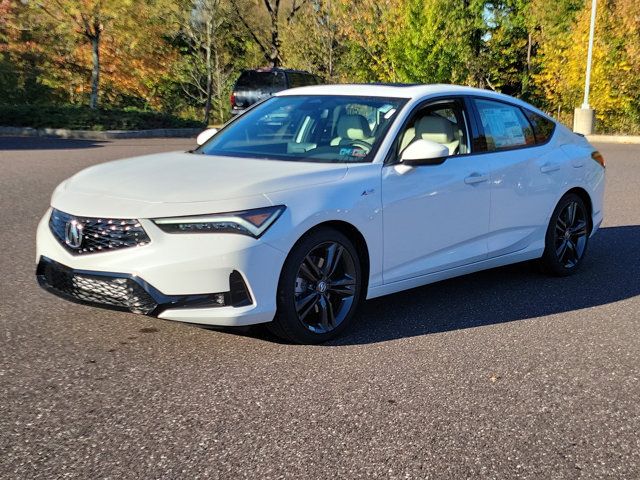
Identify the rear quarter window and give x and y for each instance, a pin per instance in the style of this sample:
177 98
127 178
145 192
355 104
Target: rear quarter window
543 128
297 79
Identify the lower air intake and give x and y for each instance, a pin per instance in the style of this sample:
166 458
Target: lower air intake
106 291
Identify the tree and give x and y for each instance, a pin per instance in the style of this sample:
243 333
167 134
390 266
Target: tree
317 20
128 53
207 70
416 40
29 51
88 18
369 27
614 77
510 46
270 44
424 48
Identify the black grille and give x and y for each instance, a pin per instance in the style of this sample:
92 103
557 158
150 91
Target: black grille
98 234
115 292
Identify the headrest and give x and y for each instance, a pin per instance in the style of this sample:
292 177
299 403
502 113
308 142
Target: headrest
353 127
435 128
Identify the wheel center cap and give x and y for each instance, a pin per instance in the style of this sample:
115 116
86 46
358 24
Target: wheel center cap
567 235
321 287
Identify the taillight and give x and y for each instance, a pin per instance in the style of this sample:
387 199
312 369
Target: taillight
232 99
597 156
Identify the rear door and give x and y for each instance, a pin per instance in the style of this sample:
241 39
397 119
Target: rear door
527 173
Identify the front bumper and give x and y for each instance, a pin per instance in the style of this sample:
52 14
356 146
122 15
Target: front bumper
174 277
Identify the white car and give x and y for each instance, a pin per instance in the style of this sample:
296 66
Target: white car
320 197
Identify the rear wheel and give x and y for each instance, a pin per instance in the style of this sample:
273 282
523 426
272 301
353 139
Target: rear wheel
567 236
320 288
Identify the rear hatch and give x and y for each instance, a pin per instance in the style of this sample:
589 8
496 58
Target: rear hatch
253 86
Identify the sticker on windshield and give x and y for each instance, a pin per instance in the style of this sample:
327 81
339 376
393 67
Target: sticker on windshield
353 152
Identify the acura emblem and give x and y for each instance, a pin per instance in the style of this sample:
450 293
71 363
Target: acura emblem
73 234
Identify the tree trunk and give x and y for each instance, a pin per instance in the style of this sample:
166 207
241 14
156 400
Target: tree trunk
529 49
95 72
219 86
207 105
526 75
332 40
275 41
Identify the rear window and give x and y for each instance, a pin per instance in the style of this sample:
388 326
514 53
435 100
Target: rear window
542 127
252 80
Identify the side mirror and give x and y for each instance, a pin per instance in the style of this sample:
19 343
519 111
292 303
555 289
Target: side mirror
424 152
206 135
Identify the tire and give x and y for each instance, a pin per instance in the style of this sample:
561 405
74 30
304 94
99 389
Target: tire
567 237
320 288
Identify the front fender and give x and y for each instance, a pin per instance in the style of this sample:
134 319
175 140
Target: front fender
355 199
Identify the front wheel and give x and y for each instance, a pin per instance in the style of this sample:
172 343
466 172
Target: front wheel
567 236
320 288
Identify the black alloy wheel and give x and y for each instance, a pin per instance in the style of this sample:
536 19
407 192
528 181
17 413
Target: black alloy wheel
567 236
325 287
320 288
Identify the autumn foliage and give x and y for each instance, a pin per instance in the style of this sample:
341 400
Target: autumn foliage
182 56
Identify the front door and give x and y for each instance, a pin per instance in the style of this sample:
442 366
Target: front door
436 217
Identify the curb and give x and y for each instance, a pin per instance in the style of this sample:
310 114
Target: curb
628 139
100 135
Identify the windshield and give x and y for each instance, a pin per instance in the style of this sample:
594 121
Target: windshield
308 128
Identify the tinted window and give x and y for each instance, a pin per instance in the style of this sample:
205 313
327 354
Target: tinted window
297 80
542 127
505 126
252 80
308 128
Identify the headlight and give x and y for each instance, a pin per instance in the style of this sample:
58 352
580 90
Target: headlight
249 222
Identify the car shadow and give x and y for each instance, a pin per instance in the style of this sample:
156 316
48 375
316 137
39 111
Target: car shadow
47 143
610 273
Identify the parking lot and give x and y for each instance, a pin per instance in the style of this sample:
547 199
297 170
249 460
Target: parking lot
501 374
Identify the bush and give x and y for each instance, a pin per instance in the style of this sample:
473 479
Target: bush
76 117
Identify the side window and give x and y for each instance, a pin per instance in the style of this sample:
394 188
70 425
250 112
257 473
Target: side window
443 122
310 79
505 126
543 128
296 80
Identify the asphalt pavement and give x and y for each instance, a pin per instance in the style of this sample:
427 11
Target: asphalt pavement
501 374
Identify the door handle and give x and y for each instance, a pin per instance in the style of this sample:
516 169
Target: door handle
476 178
579 163
549 167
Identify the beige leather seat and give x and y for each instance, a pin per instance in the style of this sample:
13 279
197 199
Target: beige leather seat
352 127
434 128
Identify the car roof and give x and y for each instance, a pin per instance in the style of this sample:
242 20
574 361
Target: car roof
396 90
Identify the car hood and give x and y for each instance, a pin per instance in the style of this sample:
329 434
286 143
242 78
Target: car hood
166 183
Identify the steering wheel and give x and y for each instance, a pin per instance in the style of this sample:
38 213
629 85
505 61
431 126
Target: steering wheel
359 143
